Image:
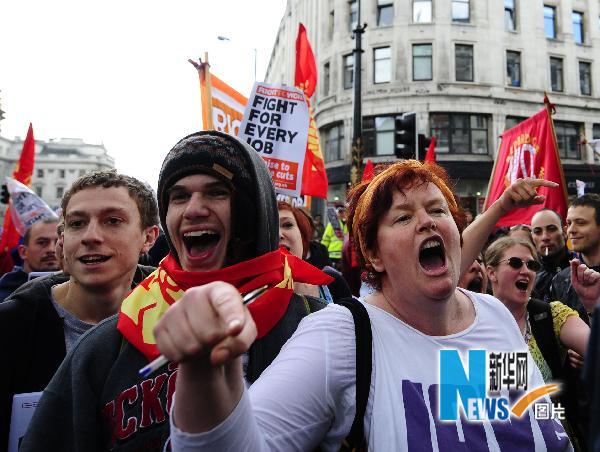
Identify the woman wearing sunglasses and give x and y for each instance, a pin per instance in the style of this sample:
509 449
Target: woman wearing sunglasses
549 329
511 266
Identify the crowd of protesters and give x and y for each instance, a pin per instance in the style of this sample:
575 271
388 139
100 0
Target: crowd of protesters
309 364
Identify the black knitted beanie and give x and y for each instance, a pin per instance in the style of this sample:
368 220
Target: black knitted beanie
219 155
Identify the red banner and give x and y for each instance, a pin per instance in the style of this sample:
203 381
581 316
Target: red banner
314 177
22 173
430 156
529 150
306 68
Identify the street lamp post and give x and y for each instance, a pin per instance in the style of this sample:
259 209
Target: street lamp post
225 38
357 141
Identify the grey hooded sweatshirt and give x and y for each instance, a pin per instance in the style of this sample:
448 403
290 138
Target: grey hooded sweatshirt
97 401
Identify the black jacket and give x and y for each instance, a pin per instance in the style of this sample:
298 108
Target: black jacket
562 290
11 281
33 338
97 401
542 326
543 278
591 377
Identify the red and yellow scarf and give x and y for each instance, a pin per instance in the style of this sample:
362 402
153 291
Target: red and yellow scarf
148 302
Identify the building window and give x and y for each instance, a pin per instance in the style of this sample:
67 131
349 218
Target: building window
61 173
40 173
550 21
513 68
333 141
382 65
422 11
460 10
556 74
567 136
379 133
326 75
510 15
512 121
459 133
385 13
595 131
577 18
353 19
39 190
60 192
464 62
348 71
422 62
330 25
585 78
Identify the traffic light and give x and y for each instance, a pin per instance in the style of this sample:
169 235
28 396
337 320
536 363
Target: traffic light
5 195
406 134
424 143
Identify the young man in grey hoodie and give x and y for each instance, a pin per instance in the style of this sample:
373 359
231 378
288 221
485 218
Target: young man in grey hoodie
218 210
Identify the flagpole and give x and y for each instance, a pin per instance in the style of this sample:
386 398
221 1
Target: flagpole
551 110
208 93
205 90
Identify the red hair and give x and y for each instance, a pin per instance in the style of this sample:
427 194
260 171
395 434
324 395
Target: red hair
304 224
370 200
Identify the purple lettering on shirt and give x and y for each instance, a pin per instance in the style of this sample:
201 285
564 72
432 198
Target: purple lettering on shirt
447 432
417 417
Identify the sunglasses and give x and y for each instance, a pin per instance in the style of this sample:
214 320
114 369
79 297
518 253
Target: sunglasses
517 263
519 227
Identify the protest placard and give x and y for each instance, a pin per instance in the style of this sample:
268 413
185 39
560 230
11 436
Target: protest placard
275 124
23 407
26 207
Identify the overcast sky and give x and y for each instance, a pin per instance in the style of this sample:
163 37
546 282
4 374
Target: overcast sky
116 72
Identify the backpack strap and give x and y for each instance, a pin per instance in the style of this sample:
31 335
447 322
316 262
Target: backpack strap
364 365
542 327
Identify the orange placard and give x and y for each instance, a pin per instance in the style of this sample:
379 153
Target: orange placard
283 172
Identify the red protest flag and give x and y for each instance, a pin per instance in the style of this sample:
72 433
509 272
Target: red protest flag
430 156
529 150
22 173
369 171
314 177
306 67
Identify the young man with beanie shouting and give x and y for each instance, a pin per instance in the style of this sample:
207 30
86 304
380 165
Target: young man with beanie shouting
218 210
110 219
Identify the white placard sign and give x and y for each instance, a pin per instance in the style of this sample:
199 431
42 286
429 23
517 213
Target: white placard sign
275 124
23 407
26 208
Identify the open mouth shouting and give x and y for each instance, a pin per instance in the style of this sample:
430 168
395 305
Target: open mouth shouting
432 256
93 259
200 245
522 284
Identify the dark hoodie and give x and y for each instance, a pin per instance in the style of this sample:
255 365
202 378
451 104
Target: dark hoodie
97 401
33 338
11 281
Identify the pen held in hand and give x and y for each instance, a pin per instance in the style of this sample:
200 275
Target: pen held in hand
161 360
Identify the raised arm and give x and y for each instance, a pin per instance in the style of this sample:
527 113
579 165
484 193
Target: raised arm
206 332
522 193
586 283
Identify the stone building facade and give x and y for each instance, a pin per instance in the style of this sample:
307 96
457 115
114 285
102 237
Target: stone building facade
469 69
57 164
